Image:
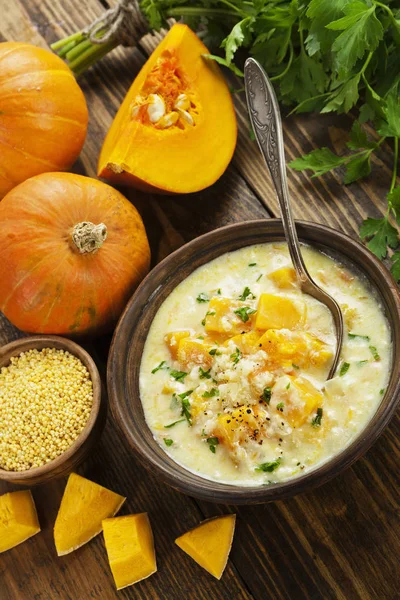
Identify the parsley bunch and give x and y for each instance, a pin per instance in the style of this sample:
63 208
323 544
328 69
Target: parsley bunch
322 55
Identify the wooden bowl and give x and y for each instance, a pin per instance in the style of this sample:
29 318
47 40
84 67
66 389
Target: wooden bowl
130 335
81 447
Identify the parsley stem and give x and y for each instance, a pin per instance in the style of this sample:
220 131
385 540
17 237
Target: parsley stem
395 161
287 66
197 11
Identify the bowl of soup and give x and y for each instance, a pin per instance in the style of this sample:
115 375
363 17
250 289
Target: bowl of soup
218 369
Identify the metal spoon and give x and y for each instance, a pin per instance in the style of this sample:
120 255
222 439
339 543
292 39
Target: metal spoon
266 121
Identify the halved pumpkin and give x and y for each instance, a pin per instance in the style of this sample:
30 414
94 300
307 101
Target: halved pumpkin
176 131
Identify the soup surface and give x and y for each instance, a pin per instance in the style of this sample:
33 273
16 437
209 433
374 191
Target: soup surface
233 373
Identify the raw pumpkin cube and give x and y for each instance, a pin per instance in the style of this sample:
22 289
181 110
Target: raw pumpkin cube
172 340
248 343
194 352
284 278
222 319
83 507
130 548
18 519
304 398
278 312
209 543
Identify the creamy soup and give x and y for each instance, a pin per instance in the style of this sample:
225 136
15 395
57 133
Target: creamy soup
233 374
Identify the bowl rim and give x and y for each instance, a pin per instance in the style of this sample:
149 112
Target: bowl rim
231 493
39 342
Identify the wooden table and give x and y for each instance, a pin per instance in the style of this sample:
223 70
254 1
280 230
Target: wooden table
341 541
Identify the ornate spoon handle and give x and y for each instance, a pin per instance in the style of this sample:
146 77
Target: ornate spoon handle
266 121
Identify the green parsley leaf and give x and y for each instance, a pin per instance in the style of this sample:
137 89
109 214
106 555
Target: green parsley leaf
357 168
247 293
375 353
288 386
239 36
382 234
178 375
161 367
252 264
382 391
266 395
316 422
344 97
359 138
236 356
269 467
362 32
186 410
210 394
212 443
392 126
204 374
243 312
362 362
174 423
344 368
215 352
320 161
202 298
295 366
280 406
356 336
168 442
395 269
259 277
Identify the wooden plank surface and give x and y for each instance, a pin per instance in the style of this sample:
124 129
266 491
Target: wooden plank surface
340 541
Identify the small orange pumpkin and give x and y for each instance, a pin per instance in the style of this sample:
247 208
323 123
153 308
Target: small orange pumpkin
43 114
72 250
176 131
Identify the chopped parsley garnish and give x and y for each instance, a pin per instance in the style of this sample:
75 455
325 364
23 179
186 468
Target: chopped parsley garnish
247 293
362 362
266 395
355 336
212 443
288 385
236 356
174 423
280 406
162 366
344 368
259 277
244 312
382 391
215 352
202 298
268 467
316 422
252 264
186 410
209 312
219 291
211 394
178 375
168 442
295 366
185 394
204 374
374 353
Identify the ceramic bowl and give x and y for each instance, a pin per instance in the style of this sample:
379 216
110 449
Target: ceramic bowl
81 447
131 332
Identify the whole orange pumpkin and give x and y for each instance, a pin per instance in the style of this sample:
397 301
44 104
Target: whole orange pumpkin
43 114
72 250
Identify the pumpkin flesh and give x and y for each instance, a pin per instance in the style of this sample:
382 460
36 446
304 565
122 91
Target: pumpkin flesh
48 286
43 114
184 157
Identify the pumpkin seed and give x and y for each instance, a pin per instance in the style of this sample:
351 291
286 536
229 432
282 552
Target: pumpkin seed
182 102
186 116
156 108
168 120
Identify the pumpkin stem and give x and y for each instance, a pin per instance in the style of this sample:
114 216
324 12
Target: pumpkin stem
89 237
